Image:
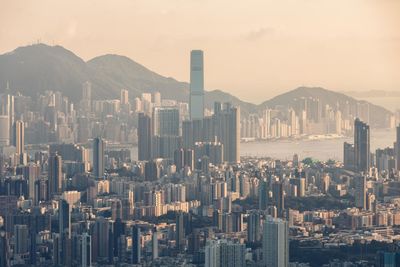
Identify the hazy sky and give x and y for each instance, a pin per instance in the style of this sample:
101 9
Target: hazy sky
254 49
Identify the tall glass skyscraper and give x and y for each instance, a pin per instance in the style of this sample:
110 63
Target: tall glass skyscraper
196 85
362 152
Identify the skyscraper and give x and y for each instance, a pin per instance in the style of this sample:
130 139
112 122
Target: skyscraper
362 152
136 248
166 137
145 134
7 109
276 243
224 253
98 157
31 172
398 147
64 220
86 100
348 156
360 196
166 121
4 130
278 197
4 250
154 244
86 250
55 174
227 131
253 226
21 238
124 97
180 231
19 137
196 85
263 194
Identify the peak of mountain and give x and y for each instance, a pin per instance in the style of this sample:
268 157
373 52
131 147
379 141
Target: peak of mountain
34 69
37 68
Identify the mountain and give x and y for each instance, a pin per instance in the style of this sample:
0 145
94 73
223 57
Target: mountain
113 72
34 69
379 116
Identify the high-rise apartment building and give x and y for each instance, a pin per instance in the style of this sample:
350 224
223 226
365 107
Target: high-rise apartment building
225 253
360 194
145 133
276 243
86 98
124 97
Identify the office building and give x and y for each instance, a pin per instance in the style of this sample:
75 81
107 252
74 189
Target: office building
101 240
227 131
55 174
19 142
31 172
180 231
196 103
278 197
362 152
276 243
166 121
348 156
154 244
98 157
145 134
136 247
64 227
263 194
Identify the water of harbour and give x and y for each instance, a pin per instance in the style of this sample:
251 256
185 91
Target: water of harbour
323 149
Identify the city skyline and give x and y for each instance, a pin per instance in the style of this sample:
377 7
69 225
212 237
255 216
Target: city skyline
108 163
283 34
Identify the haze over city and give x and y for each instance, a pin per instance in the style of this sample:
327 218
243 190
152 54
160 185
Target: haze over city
255 50
199 133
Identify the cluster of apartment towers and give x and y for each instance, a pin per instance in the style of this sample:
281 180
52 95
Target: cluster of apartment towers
200 140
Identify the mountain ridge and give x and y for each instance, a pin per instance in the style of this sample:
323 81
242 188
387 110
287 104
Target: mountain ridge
33 69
